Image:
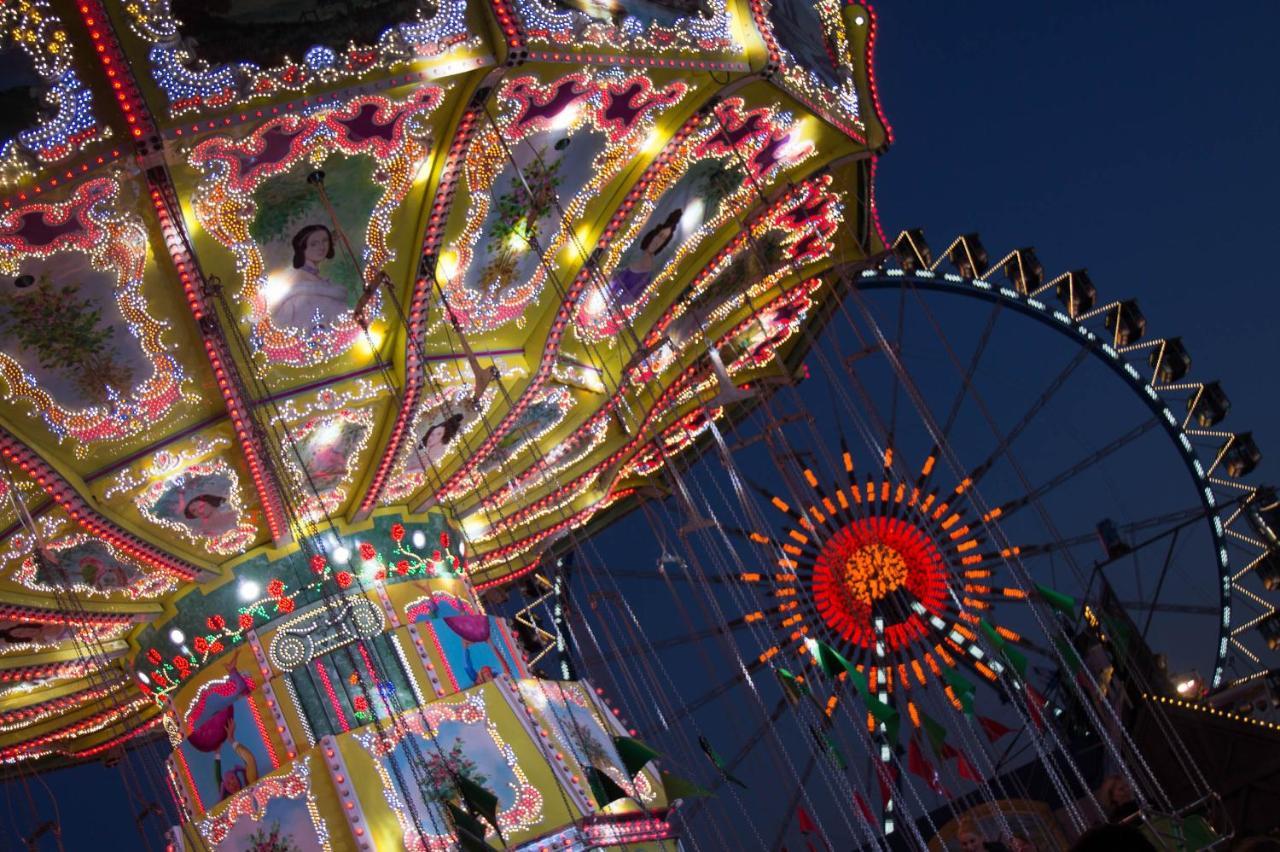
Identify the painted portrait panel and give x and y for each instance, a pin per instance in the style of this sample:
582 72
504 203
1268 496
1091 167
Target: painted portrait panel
62 325
86 562
266 32
285 825
578 727
475 647
696 198
307 205
799 30
456 739
327 448
441 433
223 751
32 635
20 95
660 24
312 283
203 503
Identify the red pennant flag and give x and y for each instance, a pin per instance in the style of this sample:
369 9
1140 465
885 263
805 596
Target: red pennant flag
805 822
865 807
919 765
1035 702
993 729
965 769
887 775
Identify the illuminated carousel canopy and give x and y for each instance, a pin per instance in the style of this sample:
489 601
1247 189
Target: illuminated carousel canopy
374 302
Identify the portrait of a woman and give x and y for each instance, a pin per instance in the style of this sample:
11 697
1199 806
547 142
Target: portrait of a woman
309 297
629 282
209 514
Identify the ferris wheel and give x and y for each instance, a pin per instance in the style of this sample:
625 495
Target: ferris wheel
952 499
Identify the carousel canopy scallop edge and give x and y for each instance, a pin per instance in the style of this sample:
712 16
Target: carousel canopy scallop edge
300 304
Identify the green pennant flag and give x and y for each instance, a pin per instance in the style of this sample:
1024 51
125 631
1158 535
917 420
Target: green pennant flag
634 754
1064 604
793 688
479 800
1005 648
604 788
963 688
886 715
830 748
832 663
1016 659
993 637
934 731
1068 652
859 681
676 787
830 660
469 830
837 756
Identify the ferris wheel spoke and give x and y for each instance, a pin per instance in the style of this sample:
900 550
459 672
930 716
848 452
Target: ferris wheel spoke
670 642
1183 609
1079 467
790 812
651 575
757 736
1050 391
972 369
1091 537
897 348
710 695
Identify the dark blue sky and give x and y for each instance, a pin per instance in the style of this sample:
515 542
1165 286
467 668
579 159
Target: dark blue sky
1134 138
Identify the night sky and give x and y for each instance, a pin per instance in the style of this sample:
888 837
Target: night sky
1131 138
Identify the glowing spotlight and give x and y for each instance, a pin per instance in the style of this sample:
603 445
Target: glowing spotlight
248 590
797 146
595 304
447 265
518 239
176 636
691 218
276 288
564 119
329 433
474 527
368 344
653 142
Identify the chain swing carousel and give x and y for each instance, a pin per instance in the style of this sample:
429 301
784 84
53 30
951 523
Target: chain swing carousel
329 328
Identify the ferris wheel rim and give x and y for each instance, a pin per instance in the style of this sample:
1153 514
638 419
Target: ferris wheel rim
1115 360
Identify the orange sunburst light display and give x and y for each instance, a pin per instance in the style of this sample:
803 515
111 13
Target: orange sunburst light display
908 554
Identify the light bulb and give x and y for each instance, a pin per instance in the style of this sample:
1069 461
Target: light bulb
176 636
419 539
342 555
249 590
